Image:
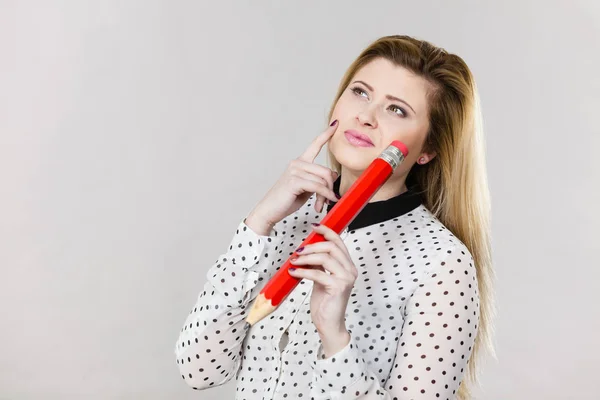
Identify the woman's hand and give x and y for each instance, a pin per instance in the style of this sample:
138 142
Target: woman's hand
299 181
331 292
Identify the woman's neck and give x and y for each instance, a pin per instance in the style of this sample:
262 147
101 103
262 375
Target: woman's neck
393 187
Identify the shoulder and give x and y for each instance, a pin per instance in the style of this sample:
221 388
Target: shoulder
446 255
448 284
437 240
433 230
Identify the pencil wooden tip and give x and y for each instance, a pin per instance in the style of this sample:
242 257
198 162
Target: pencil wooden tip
260 309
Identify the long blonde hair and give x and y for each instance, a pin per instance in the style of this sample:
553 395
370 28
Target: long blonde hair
454 183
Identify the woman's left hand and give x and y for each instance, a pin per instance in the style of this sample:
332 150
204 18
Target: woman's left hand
330 292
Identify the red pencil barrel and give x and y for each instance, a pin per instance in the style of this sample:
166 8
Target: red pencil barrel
338 218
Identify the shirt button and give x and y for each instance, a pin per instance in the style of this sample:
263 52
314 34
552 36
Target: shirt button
344 233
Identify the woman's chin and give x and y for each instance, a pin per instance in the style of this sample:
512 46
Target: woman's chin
352 162
353 158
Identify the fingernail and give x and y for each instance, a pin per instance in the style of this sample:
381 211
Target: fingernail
293 259
299 249
316 224
292 269
338 196
333 123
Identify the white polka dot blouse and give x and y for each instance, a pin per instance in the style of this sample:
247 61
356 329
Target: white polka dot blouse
412 315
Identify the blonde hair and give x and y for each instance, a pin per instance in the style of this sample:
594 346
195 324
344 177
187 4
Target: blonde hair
454 183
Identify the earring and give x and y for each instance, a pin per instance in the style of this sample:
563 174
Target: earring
422 160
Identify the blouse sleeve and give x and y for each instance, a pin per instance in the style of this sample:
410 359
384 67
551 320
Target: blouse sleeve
209 346
440 324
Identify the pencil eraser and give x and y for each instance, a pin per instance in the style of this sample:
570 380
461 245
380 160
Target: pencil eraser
401 146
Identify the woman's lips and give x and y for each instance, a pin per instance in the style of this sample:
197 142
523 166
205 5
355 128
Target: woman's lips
356 141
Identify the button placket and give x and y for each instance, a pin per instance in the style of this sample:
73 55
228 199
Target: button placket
344 234
291 307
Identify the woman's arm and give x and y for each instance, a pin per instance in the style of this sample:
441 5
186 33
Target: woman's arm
208 349
440 325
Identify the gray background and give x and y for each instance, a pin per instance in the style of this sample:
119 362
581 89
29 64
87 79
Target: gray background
135 135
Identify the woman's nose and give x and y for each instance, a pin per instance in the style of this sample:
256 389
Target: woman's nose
366 117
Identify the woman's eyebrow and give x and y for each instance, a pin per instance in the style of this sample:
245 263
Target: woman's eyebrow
388 96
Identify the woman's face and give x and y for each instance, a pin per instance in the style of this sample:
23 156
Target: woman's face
385 103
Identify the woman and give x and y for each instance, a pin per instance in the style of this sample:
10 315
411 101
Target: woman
399 305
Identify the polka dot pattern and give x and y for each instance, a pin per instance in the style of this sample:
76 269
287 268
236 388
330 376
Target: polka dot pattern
412 316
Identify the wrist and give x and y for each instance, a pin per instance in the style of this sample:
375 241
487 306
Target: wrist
258 224
332 344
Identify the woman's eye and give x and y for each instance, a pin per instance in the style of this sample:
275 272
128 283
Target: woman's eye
395 110
358 91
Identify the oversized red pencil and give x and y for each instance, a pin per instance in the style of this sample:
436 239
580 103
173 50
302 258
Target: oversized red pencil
338 218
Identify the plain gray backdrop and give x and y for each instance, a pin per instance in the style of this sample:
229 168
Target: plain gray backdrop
135 135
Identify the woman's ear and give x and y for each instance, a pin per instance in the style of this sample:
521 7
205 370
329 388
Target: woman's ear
424 158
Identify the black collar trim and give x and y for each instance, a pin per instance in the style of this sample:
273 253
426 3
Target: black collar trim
380 211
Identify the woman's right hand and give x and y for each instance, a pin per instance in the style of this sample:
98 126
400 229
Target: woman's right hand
297 184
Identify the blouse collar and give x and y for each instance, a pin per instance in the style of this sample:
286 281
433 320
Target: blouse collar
383 210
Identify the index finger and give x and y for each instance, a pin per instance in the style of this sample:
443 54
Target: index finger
332 236
315 147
